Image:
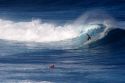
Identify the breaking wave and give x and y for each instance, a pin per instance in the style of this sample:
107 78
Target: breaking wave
37 31
97 26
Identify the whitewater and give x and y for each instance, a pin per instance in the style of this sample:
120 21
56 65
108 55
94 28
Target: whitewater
38 31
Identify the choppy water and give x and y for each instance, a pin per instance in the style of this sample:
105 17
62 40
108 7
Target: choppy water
36 34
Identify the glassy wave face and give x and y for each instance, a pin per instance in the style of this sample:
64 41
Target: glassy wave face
62 41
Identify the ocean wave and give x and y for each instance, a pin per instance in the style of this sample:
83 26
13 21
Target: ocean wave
37 31
69 35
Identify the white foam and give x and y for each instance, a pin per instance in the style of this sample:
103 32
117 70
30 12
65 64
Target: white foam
37 31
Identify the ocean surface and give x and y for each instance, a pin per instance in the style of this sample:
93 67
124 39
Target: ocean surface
47 41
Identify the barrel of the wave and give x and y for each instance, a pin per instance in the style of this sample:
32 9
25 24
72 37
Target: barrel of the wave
93 30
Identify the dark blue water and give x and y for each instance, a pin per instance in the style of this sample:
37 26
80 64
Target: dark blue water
101 61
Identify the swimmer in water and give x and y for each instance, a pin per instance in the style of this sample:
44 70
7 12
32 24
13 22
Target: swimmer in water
52 66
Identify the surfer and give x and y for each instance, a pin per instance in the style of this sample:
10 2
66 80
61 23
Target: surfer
52 66
89 37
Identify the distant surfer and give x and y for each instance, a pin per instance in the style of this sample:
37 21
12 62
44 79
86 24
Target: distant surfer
52 66
89 37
